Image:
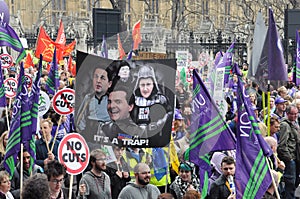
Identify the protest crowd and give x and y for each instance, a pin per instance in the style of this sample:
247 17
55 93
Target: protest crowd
149 136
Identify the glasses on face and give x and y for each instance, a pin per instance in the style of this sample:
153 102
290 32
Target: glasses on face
184 171
57 181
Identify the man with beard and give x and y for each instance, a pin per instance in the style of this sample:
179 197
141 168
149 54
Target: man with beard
92 112
141 189
95 184
15 181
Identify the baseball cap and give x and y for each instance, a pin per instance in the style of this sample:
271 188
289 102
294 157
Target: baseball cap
178 115
279 100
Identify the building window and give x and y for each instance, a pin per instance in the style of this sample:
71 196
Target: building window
205 7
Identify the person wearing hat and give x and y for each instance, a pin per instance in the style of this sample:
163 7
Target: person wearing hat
152 109
185 181
179 125
279 112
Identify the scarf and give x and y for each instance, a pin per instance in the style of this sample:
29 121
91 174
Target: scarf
183 185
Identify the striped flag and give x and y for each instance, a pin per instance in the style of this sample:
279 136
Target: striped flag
252 176
52 82
8 37
20 124
34 96
209 132
2 90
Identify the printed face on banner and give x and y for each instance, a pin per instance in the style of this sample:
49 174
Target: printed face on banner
136 109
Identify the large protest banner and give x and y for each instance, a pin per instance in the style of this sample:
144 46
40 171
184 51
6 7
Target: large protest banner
124 102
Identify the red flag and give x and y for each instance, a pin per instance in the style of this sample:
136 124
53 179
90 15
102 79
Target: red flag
60 42
120 48
71 67
136 35
61 37
28 61
69 48
44 46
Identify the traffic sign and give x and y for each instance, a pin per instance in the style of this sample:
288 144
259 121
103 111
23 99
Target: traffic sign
10 86
74 153
6 60
28 80
44 103
63 101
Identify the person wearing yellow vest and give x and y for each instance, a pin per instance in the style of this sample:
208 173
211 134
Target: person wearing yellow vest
159 167
133 156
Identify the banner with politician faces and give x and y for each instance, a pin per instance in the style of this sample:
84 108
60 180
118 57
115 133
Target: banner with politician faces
124 102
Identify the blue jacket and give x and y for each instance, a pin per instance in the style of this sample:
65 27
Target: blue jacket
42 151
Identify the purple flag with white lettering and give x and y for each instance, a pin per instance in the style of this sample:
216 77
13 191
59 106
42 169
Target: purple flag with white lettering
252 176
2 90
209 131
52 82
20 124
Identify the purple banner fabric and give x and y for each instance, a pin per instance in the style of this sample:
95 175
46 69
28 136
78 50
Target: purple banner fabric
209 131
52 82
252 176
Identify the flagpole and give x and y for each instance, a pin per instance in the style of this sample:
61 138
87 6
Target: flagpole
168 170
7 117
71 185
273 181
269 109
21 169
58 125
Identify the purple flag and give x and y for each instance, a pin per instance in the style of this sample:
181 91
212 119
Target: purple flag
52 82
297 59
259 37
276 63
252 176
2 90
271 66
226 62
34 96
104 51
209 131
8 37
129 56
20 124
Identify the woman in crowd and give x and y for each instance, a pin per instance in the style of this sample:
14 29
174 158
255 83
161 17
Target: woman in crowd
5 186
185 181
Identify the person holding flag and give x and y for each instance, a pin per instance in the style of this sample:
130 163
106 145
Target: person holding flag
43 152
